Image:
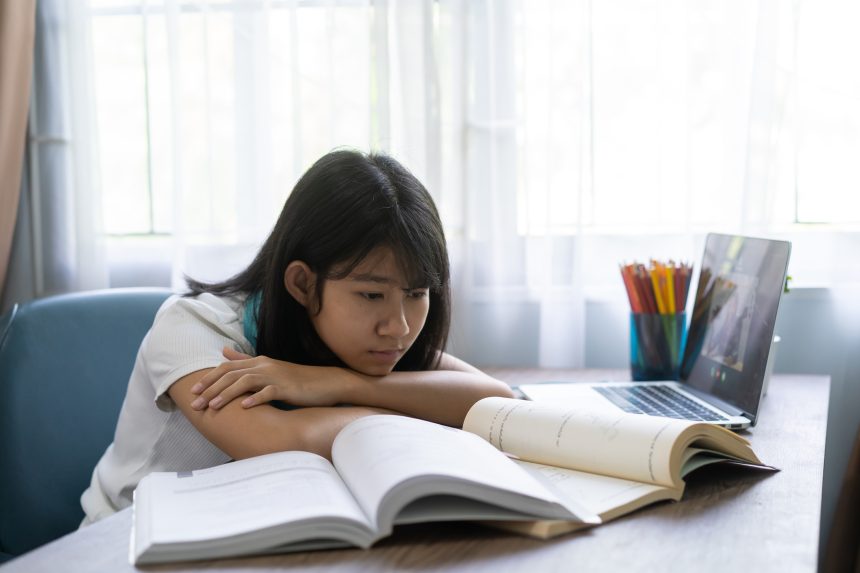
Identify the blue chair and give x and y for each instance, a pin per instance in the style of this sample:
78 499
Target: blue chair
64 367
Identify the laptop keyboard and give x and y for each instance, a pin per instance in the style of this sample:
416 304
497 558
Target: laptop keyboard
657 401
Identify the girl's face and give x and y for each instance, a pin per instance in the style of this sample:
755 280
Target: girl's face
371 318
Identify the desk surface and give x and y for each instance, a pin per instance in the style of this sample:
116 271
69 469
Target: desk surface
730 518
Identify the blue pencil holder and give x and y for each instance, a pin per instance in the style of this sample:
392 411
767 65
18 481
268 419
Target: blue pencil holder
657 345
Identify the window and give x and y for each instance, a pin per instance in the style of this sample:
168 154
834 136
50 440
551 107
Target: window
526 119
208 111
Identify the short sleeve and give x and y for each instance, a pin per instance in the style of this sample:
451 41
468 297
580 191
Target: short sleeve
188 334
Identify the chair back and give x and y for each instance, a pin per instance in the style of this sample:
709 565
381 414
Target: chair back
65 362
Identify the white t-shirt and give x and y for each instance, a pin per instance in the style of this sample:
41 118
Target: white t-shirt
152 434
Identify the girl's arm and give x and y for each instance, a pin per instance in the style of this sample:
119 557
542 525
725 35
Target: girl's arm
242 433
443 395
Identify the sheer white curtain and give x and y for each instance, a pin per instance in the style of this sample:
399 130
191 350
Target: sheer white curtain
208 112
559 138
599 132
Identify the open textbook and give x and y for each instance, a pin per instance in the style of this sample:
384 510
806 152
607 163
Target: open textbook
386 470
607 462
529 467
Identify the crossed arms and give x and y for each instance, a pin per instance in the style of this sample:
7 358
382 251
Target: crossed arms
443 395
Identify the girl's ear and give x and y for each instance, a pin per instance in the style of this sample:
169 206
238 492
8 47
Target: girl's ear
300 282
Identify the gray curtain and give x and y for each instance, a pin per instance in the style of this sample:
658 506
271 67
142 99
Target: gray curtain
43 249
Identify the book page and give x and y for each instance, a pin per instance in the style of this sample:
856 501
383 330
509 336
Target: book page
376 454
596 441
243 496
602 495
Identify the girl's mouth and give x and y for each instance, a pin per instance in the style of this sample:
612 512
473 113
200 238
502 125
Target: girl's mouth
391 355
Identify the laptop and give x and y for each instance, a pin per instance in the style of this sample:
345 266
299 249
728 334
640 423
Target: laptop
725 360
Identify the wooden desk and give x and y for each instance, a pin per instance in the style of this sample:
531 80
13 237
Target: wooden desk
730 519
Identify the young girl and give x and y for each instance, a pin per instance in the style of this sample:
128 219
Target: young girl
343 313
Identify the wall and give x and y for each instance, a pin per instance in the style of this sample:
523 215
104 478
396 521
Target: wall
843 417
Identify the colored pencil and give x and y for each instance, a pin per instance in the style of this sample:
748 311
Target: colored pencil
660 288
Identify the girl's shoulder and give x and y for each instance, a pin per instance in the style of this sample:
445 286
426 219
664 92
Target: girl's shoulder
189 333
206 308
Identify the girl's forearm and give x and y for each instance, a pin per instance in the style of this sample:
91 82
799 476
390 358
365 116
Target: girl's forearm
243 433
442 396
320 426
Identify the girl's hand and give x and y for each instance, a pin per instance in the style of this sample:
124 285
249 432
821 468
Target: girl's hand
266 379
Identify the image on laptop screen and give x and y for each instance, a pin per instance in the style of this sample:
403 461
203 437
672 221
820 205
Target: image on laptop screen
739 289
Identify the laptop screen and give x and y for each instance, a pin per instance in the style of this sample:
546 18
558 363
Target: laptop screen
740 284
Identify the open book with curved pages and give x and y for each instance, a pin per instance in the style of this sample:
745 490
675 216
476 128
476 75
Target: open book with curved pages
607 462
524 466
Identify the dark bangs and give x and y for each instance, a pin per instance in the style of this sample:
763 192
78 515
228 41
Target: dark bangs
417 254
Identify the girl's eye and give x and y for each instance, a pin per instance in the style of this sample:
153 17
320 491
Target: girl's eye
418 293
372 295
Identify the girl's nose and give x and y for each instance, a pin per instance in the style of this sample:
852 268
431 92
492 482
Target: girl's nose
394 324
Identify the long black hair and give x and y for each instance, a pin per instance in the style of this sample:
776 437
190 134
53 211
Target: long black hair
344 206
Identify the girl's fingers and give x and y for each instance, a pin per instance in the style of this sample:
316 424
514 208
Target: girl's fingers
240 375
264 396
216 373
247 383
211 377
215 388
